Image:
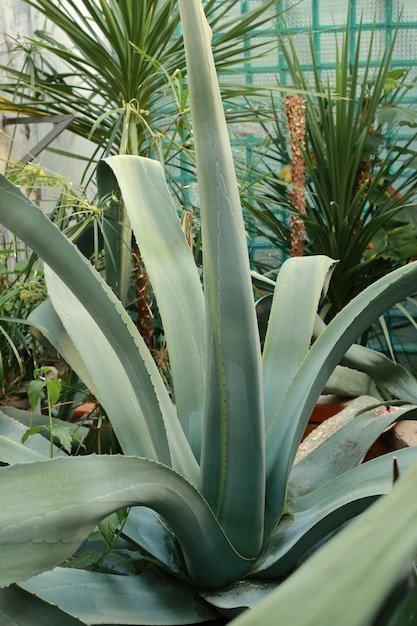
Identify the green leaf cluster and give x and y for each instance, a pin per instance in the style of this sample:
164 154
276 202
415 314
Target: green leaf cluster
360 165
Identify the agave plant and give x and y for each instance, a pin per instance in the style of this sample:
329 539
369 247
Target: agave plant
219 510
360 165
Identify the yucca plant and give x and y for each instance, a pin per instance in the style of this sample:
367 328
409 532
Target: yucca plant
122 70
360 165
118 67
220 512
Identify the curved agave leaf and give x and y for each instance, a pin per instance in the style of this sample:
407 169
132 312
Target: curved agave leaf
354 407
291 417
234 428
344 449
12 450
19 607
310 518
144 527
291 324
378 547
13 425
174 278
128 407
45 319
391 376
60 501
241 595
96 598
29 224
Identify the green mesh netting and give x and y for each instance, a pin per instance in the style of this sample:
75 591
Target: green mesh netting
323 17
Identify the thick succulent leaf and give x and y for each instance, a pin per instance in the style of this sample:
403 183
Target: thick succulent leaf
19 608
117 240
344 449
291 417
97 598
347 382
14 424
330 425
378 548
29 224
234 426
174 277
128 407
391 376
312 517
145 528
50 507
46 321
241 595
28 419
300 284
12 450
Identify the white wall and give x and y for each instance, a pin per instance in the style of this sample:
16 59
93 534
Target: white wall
19 20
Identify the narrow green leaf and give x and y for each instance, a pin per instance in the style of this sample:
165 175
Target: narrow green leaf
174 278
129 407
299 287
234 421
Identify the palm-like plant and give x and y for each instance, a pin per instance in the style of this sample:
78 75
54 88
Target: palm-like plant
361 177
123 77
221 513
123 68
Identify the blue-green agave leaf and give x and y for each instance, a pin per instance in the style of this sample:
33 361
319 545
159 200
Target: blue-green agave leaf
28 223
378 547
300 284
174 277
310 518
287 428
345 448
241 595
234 421
100 598
45 319
50 507
19 608
145 528
128 407
391 376
12 450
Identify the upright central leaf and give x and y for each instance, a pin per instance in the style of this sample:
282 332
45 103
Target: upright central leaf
232 467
